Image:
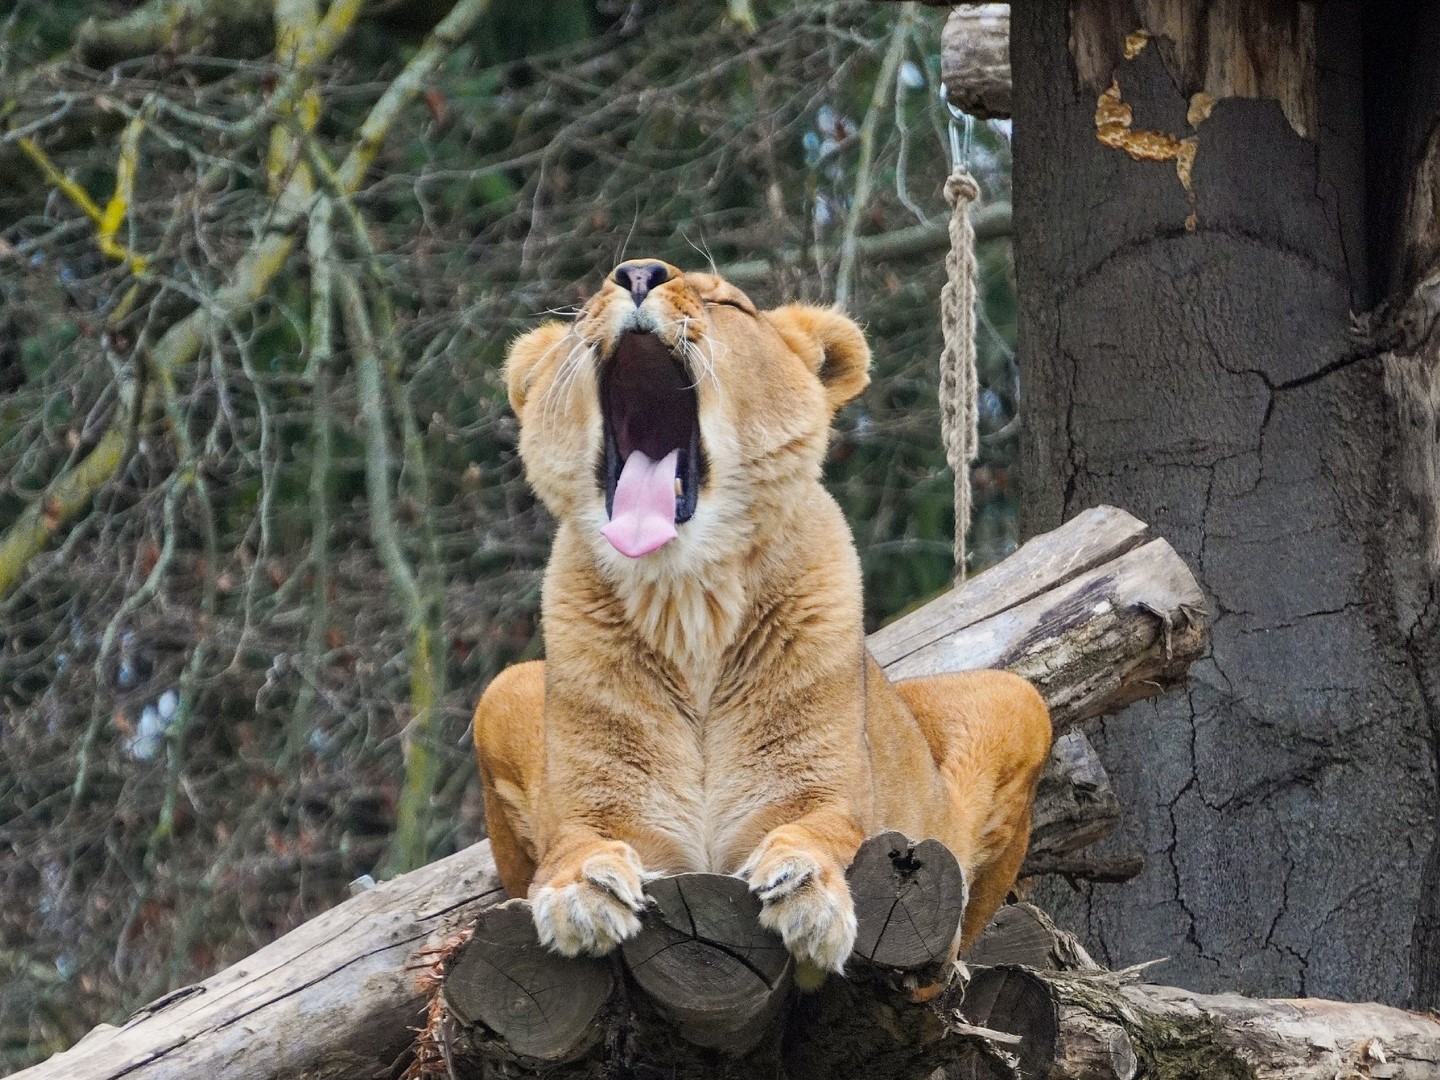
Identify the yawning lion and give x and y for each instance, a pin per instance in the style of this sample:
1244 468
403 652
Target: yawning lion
708 703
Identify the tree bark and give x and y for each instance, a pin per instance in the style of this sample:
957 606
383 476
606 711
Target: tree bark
1190 251
1403 210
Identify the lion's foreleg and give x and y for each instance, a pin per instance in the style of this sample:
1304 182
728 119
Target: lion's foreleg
798 872
603 763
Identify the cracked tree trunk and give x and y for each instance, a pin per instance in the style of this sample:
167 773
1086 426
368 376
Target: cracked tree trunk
1403 208
1190 216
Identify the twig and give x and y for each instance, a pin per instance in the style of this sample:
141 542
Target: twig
317 373
884 86
992 222
408 848
74 488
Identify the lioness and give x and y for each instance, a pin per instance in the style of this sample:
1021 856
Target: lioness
708 703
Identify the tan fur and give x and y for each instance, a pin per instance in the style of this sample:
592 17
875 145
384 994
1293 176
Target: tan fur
711 706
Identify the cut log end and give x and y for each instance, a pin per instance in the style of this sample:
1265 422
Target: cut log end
540 1004
1014 1002
704 959
909 900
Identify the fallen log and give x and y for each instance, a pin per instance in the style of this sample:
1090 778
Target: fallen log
1108 1026
1096 612
335 997
1075 807
1105 1026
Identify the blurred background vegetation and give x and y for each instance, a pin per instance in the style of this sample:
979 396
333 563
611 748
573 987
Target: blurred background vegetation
263 533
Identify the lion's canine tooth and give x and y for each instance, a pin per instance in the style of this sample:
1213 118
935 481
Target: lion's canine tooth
678 489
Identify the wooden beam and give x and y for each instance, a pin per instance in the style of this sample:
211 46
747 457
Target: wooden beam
1096 614
1075 807
1108 1027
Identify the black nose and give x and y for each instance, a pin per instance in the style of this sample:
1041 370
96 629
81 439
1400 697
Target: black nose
640 278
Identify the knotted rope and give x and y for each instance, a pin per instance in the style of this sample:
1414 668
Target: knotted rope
959 382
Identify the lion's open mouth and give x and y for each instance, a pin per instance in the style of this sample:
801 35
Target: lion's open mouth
652 467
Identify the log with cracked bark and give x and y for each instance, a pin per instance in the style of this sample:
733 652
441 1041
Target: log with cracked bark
1108 1027
1032 1004
1075 807
1097 613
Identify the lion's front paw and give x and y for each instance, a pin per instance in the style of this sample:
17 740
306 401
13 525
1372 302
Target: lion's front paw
594 908
807 902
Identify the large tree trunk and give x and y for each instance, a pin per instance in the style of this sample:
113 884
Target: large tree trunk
1188 283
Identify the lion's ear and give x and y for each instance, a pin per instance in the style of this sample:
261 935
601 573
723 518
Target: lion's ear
524 357
831 344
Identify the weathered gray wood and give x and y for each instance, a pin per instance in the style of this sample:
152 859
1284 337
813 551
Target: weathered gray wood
1087 866
542 1005
1110 1028
706 961
975 59
909 900
1075 805
337 996
1090 539
1124 631
1022 934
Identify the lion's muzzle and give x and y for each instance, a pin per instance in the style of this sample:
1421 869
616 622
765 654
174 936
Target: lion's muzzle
651 469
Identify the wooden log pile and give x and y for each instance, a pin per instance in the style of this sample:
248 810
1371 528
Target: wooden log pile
705 992
1098 614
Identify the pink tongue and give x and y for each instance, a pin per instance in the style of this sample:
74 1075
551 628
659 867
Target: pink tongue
642 518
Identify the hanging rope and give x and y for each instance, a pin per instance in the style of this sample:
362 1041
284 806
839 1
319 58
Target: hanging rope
959 382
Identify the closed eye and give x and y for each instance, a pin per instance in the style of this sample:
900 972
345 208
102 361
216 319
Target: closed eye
736 304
